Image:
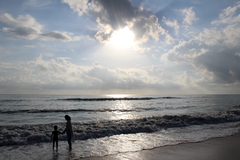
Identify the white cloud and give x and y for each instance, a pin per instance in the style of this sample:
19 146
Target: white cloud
27 27
229 36
173 24
210 36
189 15
80 7
29 46
114 15
185 52
227 16
36 3
77 38
47 54
60 73
20 21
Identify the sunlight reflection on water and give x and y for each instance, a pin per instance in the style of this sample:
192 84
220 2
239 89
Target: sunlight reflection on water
123 110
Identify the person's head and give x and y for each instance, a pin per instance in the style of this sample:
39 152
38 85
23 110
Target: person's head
67 117
55 128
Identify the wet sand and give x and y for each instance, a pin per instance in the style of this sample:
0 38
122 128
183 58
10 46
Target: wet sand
226 148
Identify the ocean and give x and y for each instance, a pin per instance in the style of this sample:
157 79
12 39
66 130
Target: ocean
110 124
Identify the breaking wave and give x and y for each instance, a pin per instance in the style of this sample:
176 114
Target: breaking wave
28 134
137 109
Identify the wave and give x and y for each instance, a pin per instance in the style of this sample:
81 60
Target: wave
137 109
13 100
71 110
28 134
116 99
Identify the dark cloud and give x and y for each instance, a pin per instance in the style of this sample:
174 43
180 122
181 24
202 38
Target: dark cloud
117 13
27 27
57 35
26 32
224 64
220 62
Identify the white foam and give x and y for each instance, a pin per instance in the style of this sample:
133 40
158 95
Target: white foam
29 134
119 143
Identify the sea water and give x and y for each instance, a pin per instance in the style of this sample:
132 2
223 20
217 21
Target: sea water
111 124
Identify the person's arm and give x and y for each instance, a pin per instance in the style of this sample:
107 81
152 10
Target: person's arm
51 136
63 131
67 127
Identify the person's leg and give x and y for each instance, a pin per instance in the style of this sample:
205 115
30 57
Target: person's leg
69 143
57 144
53 143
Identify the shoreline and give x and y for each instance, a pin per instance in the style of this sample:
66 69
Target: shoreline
220 148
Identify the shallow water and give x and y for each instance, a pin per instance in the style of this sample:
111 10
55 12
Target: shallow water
106 125
118 143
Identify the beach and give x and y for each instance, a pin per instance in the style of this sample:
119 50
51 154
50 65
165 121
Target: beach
223 148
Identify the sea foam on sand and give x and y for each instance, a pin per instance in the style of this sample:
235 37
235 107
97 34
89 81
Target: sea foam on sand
213 149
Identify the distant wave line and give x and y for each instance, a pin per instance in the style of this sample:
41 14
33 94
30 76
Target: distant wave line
116 99
93 99
14 100
75 110
137 109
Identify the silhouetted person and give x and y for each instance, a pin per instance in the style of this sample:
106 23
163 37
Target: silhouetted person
54 137
69 131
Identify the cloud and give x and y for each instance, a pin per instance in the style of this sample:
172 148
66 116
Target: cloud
59 65
20 21
214 52
24 32
29 46
189 15
227 16
118 14
80 7
60 73
173 24
185 52
57 36
229 36
36 3
224 65
27 27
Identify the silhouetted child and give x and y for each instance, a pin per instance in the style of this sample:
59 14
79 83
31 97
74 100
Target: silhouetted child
54 136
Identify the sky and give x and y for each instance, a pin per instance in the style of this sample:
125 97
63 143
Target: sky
119 47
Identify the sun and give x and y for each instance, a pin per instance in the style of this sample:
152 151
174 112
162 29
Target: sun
122 38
